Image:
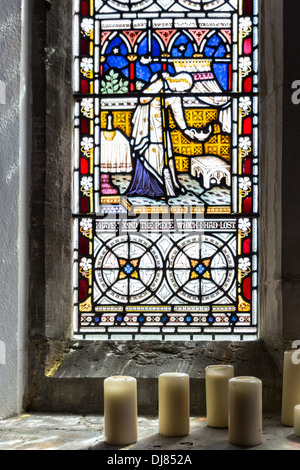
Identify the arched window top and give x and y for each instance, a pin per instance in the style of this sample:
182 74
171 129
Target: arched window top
166 168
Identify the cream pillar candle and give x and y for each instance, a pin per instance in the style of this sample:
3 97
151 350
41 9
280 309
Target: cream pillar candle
245 411
120 410
290 387
297 420
174 404
216 387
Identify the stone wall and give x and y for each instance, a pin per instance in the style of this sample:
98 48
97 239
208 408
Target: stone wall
14 145
291 177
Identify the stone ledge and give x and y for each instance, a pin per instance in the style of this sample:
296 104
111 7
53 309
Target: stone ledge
98 359
38 431
71 378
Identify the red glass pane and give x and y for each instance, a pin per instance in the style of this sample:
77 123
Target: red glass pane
248 85
247 206
247 246
84 166
248 46
84 86
84 205
84 246
131 71
84 8
247 167
84 47
247 288
82 289
247 7
247 125
84 126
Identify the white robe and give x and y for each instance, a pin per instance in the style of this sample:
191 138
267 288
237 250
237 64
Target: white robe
150 134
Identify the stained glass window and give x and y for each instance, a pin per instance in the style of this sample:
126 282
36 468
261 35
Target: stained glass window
166 169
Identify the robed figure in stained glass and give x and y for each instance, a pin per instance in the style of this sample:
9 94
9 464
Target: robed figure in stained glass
155 172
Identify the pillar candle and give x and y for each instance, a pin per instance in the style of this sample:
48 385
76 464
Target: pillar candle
245 411
216 386
290 388
297 420
120 410
174 404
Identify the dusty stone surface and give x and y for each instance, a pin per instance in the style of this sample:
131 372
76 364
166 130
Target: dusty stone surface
149 359
85 432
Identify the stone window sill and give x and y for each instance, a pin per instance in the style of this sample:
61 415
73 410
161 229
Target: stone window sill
79 432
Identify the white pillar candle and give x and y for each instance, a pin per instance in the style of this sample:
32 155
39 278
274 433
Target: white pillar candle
216 387
174 404
297 420
245 411
120 410
290 388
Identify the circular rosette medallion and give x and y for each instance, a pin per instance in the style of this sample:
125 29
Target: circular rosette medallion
202 270
128 269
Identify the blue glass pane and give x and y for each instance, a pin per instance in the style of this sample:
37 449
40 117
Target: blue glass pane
209 52
221 72
214 41
123 49
155 48
189 51
156 68
114 43
117 61
142 72
181 40
221 51
176 52
182 47
143 47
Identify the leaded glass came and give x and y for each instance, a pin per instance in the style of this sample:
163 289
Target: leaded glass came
166 169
